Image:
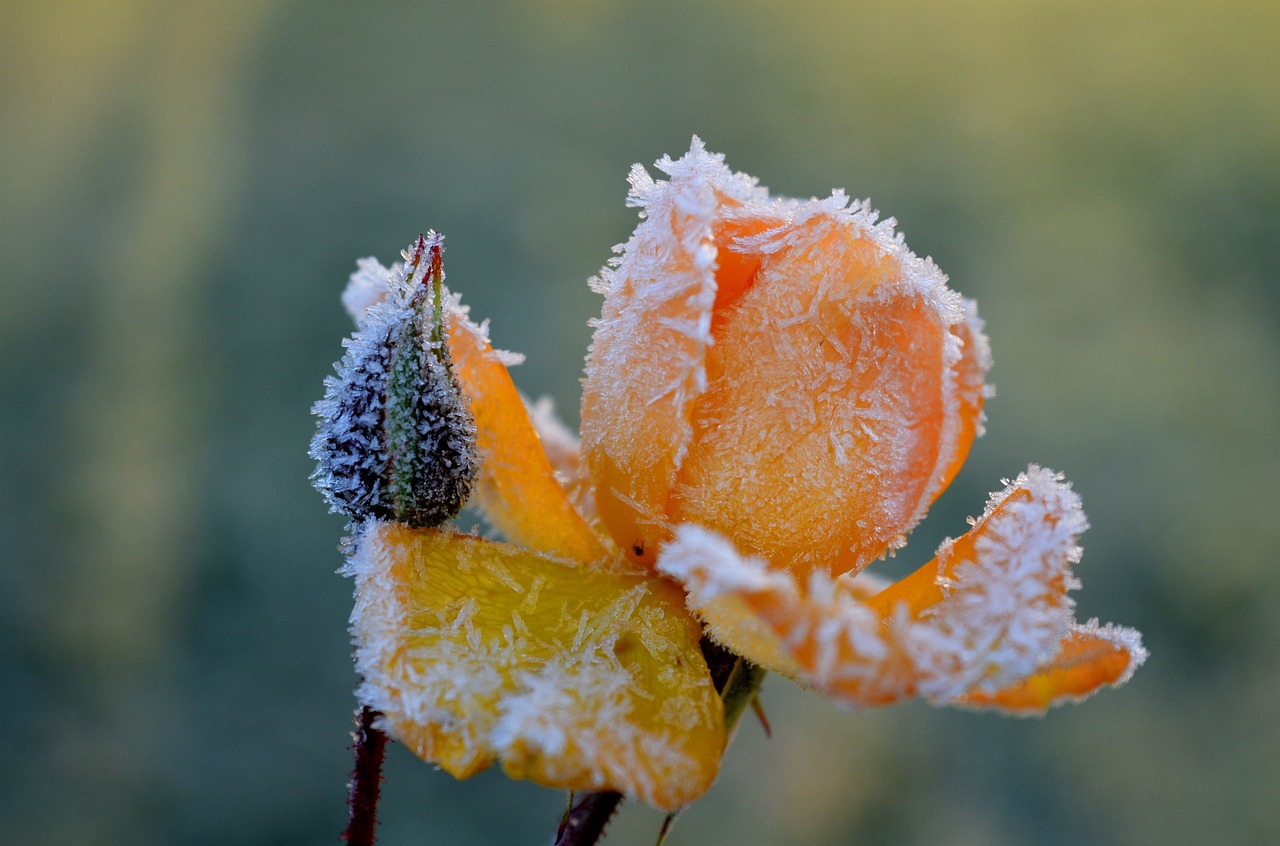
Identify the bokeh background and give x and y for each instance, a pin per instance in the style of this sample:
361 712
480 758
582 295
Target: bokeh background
184 188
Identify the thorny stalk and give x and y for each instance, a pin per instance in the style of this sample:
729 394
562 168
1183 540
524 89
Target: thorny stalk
366 780
585 821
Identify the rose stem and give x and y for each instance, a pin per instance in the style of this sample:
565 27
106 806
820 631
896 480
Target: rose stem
585 822
366 780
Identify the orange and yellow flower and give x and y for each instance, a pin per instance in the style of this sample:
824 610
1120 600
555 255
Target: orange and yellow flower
776 392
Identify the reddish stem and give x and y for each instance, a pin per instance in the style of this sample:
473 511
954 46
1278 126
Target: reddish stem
585 822
366 780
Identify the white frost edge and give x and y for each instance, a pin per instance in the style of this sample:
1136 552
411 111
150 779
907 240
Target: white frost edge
1001 617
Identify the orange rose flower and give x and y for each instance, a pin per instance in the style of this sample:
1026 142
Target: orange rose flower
776 392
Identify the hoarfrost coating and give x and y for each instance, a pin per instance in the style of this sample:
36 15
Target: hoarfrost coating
775 393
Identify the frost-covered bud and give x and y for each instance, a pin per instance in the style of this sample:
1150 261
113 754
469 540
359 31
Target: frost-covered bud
784 372
396 439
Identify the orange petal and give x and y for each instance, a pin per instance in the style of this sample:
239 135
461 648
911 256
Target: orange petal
993 605
1037 513
517 488
972 391
646 363
987 613
477 651
564 451
829 405
821 636
863 585
1091 657
728 591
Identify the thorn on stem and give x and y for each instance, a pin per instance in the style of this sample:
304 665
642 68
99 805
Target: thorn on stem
667 824
758 709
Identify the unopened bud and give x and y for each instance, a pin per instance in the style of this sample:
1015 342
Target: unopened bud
396 439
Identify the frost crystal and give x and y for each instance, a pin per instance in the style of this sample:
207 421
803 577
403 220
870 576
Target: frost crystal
396 438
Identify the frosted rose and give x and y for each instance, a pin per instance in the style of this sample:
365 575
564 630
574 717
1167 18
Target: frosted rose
776 392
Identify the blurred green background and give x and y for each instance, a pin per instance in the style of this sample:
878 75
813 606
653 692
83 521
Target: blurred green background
184 188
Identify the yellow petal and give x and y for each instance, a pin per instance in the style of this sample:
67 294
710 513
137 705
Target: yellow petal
517 488
477 651
829 405
1091 657
646 363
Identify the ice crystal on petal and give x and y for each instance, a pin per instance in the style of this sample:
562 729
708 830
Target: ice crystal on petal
1123 637
655 327
1091 656
1006 609
720 584
833 365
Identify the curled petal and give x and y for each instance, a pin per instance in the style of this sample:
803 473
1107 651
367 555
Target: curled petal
1091 657
647 359
972 391
993 605
988 613
476 651
517 488
832 371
